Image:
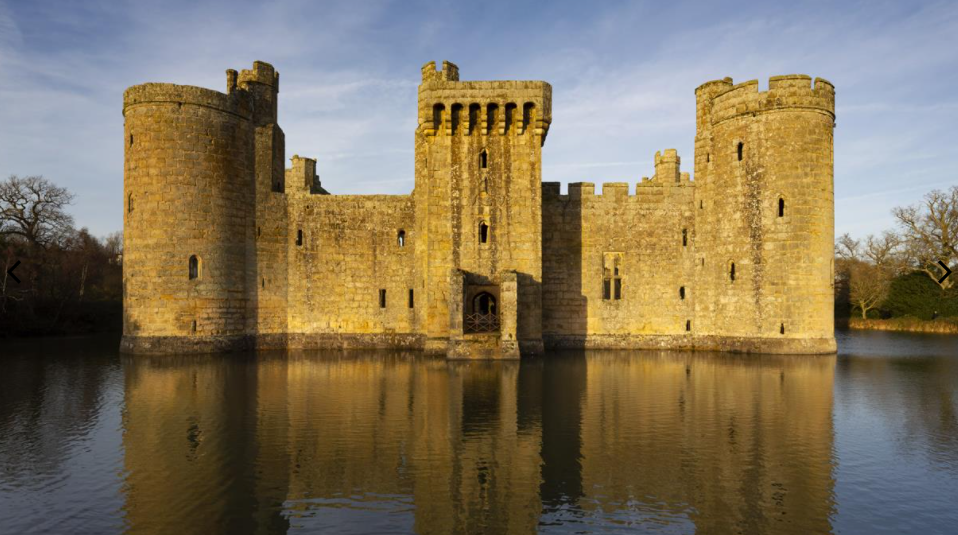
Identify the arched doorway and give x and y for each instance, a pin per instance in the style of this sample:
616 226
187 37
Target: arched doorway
484 303
483 316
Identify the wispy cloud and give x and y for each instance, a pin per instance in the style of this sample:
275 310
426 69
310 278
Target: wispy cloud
623 75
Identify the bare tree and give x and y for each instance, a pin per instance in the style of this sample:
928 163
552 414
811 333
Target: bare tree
113 243
930 231
885 251
33 208
867 285
847 248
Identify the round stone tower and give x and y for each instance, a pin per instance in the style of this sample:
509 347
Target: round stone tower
188 214
764 213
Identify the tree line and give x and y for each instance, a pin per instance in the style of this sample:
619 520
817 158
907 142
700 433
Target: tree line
897 274
70 280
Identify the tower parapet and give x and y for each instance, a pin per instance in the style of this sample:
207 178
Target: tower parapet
786 91
448 106
155 94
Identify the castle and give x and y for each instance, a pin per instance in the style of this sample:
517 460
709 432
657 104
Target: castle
225 248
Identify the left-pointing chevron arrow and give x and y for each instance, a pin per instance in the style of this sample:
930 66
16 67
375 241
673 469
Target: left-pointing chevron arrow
10 272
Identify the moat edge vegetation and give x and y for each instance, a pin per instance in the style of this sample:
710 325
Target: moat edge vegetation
893 281
70 280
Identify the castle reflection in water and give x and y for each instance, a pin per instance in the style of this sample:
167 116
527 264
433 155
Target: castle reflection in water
392 442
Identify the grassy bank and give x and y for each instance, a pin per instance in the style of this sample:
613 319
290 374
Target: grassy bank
940 325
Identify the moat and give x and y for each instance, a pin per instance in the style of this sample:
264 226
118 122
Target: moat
387 442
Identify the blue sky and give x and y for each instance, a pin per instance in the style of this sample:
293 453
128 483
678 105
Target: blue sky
623 75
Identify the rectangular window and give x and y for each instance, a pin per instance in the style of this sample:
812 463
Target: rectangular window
412 300
382 298
299 238
607 289
618 288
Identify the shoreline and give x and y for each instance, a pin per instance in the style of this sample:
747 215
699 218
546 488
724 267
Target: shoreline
937 326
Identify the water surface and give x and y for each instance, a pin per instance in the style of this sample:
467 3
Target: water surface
387 442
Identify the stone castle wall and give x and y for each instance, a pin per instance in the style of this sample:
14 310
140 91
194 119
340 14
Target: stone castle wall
635 238
281 263
350 253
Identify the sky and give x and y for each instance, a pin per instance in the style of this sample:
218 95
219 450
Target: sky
623 77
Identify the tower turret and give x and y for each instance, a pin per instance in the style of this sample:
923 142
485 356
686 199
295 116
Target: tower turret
188 192
764 216
478 190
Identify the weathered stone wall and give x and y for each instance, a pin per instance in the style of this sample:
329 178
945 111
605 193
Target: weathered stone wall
281 263
267 243
349 252
636 239
755 150
188 191
478 170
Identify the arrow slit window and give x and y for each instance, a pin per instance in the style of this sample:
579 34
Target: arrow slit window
194 267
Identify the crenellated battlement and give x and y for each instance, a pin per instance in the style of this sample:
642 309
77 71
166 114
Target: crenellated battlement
448 106
302 175
667 174
157 93
449 72
722 100
261 73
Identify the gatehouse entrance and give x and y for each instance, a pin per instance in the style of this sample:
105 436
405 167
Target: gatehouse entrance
483 316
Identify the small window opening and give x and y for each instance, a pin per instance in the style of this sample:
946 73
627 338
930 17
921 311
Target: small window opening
473 117
263 282
781 330
402 238
731 272
129 204
708 157
741 149
685 237
703 261
701 205
688 325
194 267
612 283
299 238
437 116
483 159
259 231
455 117
131 140
781 207
682 293
492 116
528 111
412 300
510 117
382 298
193 326
483 232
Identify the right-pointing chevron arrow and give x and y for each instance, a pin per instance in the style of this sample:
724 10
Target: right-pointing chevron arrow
947 272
